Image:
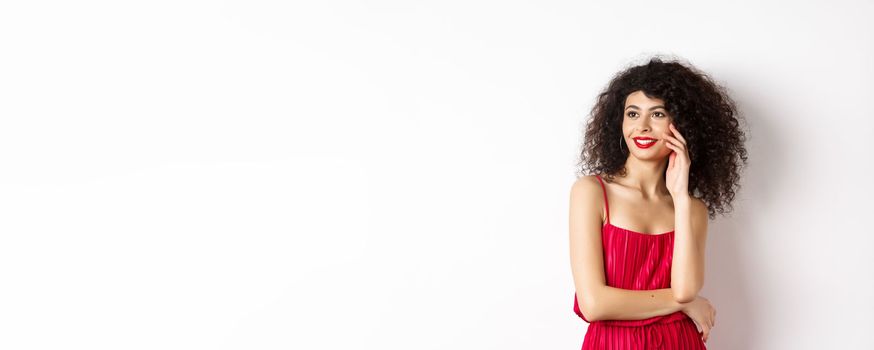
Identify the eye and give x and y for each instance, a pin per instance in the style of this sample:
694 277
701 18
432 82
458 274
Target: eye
630 114
660 114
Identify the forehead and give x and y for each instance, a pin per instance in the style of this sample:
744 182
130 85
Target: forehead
638 98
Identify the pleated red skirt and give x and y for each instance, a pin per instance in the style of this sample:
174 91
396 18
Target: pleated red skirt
639 261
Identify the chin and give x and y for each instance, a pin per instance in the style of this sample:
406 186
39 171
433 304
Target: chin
651 155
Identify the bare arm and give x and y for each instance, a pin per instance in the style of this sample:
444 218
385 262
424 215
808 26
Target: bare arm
598 301
687 267
625 304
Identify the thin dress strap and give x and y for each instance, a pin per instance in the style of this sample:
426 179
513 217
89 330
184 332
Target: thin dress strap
606 205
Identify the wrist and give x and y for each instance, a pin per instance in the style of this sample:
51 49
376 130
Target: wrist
683 199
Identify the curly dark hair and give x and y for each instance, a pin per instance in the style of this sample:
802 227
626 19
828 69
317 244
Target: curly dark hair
700 107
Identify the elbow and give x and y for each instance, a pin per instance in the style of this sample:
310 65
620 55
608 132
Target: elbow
592 315
684 298
684 295
590 310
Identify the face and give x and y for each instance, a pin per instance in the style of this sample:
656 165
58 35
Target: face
645 118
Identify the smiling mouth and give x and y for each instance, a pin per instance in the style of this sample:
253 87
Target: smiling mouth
644 143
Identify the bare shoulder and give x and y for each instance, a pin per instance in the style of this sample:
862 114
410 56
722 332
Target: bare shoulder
585 188
586 198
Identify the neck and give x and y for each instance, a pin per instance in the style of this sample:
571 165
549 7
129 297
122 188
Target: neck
646 176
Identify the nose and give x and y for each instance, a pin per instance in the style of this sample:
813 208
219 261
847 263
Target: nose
643 124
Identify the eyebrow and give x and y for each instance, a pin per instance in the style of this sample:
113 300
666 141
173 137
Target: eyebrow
651 108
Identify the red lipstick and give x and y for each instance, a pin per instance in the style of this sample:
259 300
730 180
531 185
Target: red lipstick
641 142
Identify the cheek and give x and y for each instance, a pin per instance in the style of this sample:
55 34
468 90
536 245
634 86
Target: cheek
667 150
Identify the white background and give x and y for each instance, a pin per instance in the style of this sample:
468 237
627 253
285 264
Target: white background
395 175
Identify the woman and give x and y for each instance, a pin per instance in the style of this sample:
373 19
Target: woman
665 150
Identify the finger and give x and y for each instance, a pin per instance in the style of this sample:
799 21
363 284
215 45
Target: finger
675 138
674 148
680 150
675 142
672 140
677 132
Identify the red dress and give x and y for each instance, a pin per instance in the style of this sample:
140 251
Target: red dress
639 261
